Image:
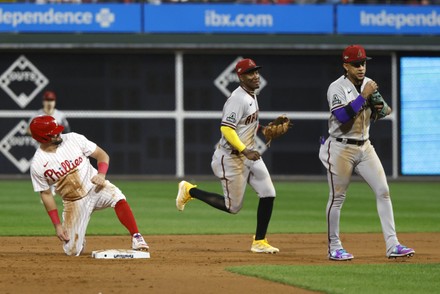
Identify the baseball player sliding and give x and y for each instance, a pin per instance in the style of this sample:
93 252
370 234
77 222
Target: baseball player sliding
64 159
354 102
235 162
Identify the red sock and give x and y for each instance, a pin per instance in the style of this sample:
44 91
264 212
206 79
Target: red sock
126 217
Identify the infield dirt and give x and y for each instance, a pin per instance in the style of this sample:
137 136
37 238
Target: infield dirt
181 263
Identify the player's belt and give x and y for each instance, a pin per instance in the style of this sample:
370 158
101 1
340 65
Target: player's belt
351 141
235 152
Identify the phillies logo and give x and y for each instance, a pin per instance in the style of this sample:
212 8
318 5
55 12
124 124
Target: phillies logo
66 167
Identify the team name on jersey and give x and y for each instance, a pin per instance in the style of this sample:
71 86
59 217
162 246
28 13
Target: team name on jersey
251 118
66 167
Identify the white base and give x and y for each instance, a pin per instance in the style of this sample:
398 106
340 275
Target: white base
120 254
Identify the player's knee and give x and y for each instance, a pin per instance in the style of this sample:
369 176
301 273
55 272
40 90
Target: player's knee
234 209
72 250
382 191
385 193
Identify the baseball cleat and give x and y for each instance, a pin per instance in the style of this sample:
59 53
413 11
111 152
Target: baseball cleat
183 196
262 246
138 243
401 251
340 255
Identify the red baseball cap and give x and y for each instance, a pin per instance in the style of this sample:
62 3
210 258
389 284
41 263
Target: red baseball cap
354 53
246 65
49 95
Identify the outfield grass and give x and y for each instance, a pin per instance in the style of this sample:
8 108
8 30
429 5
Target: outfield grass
352 278
299 208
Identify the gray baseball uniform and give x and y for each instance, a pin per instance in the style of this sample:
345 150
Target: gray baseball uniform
349 149
240 113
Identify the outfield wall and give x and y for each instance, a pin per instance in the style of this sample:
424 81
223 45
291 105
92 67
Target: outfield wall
160 113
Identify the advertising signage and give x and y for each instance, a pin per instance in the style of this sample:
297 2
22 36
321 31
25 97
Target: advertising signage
70 18
384 19
235 18
220 19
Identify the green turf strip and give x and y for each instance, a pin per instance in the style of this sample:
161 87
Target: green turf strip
299 208
353 278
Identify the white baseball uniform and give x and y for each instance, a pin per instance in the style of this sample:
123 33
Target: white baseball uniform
70 169
240 112
355 152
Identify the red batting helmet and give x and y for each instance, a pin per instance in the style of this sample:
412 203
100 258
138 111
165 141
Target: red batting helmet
43 127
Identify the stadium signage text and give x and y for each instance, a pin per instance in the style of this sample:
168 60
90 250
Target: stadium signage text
70 18
381 19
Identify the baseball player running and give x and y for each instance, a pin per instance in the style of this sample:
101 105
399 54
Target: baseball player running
64 159
348 148
235 162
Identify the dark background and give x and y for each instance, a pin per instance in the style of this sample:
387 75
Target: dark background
87 81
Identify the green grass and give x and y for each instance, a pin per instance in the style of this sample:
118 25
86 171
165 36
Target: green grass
299 208
352 278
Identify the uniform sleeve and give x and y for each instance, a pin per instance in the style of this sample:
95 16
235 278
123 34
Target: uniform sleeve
39 183
232 112
87 146
336 97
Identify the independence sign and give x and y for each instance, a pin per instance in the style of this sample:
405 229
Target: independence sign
392 20
68 18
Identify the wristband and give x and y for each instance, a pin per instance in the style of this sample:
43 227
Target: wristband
53 214
102 167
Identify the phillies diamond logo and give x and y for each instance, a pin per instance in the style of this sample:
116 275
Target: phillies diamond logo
22 81
228 80
18 147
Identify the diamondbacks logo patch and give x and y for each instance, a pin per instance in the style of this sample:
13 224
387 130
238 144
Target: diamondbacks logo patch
336 100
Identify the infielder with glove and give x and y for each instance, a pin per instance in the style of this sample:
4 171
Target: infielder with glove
354 103
64 159
235 162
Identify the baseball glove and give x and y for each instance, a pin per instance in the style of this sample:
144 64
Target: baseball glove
377 99
276 128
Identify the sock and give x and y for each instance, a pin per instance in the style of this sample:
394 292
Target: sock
264 214
126 217
213 199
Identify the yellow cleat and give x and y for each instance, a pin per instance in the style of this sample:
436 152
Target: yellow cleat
183 196
262 246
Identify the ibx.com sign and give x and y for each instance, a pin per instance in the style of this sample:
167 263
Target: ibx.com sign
70 18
